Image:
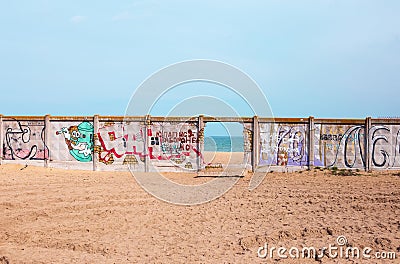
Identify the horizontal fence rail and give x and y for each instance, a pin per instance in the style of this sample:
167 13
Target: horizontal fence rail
145 143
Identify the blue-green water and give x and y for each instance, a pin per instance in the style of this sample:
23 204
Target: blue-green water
223 144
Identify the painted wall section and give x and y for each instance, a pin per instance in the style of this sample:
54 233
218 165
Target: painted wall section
339 146
24 140
343 146
119 143
385 146
71 141
283 144
174 143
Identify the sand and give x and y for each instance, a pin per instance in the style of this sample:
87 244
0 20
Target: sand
60 216
223 157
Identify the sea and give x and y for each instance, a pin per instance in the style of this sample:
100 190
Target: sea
223 144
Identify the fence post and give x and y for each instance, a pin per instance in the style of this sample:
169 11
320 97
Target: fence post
367 143
1 139
310 145
255 154
95 141
200 140
46 139
147 122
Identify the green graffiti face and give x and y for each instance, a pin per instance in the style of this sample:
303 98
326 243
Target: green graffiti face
83 145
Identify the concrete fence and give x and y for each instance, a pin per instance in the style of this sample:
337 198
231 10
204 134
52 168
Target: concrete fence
145 143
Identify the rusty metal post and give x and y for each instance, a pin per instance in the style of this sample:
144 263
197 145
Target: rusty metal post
46 139
255 151
1 139
200 140
95 142
310 145
147 126
367 143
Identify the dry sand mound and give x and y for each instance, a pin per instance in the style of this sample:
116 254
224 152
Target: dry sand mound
58 216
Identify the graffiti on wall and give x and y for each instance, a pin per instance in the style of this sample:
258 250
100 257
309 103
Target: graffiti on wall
79 140
167 144
24 140
124 143
344 146
283 144
120 143
385 146
339 145
175 142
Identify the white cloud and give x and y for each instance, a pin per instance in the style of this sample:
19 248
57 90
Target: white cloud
78 19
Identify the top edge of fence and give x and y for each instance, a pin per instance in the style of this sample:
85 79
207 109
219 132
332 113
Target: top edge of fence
23 118
339 121
385 120
283 120
305 120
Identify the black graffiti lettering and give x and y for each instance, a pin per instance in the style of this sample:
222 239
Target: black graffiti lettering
290 146
375 140
333 137
347 140
24 143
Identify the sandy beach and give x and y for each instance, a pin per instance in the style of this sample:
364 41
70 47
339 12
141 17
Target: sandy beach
66 216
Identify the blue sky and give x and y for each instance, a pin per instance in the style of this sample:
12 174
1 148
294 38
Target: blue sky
320 58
